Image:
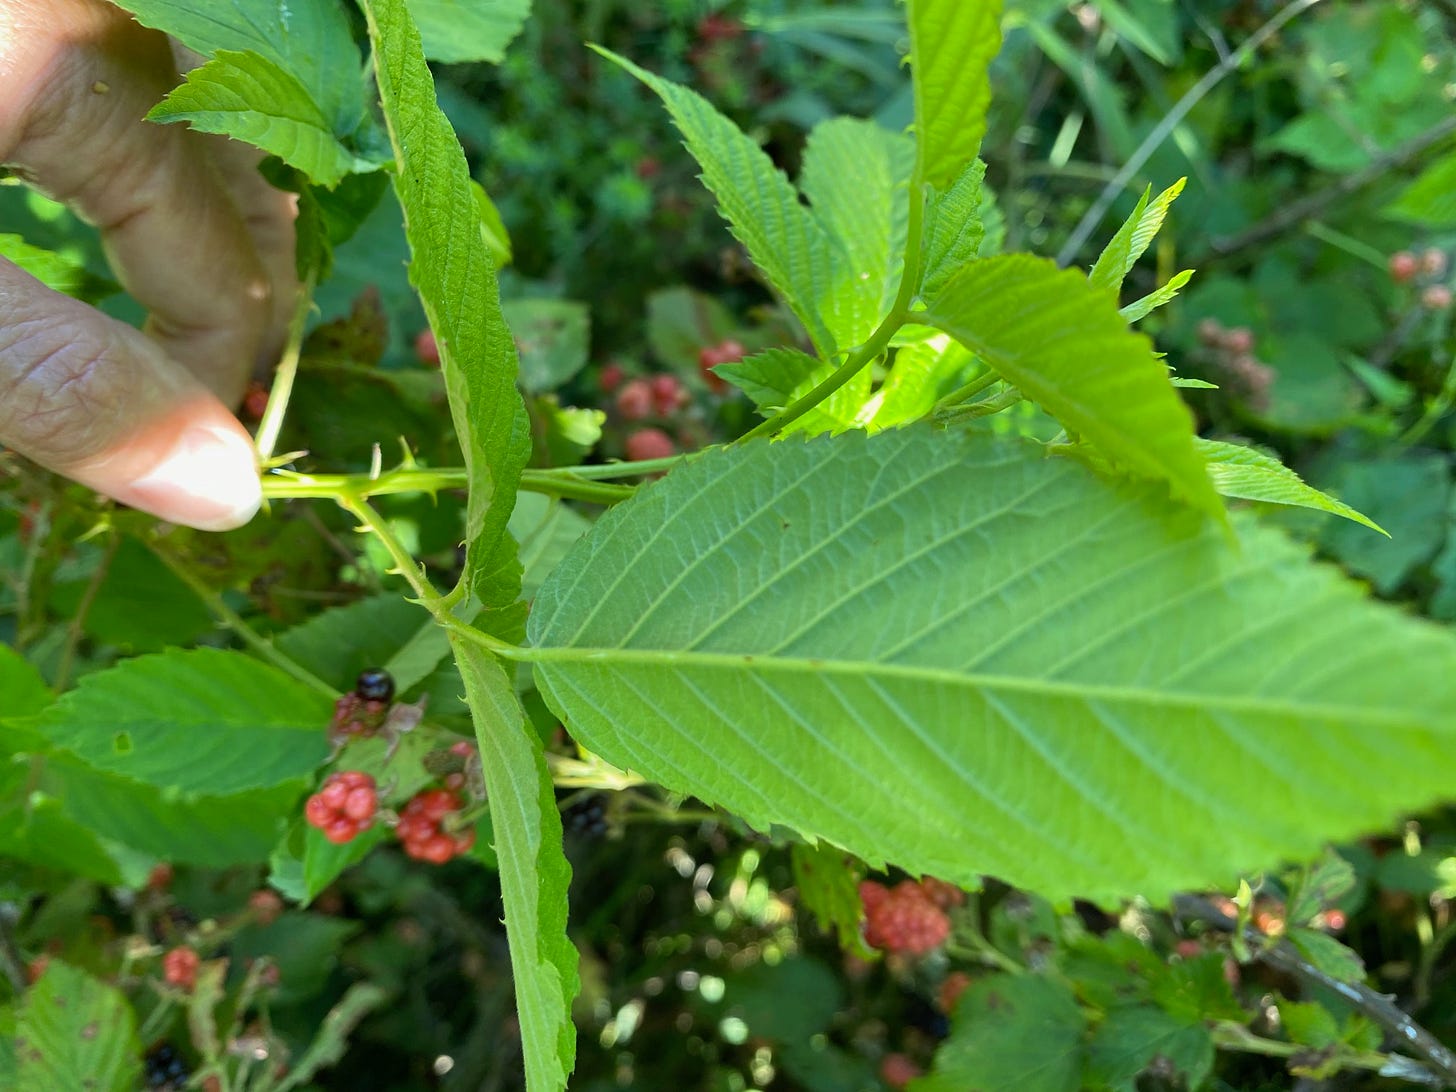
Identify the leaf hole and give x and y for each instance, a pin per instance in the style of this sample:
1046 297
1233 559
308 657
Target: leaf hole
121 743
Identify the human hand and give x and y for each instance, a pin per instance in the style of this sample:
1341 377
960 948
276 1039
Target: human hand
193 232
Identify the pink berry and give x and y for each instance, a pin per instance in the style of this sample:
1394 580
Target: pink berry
179 967
897 1070
668 395
360 805
1403 266
649 443
1238 340
634 400
1210 332
255 400
1436 297
610 377
1433 261
427 348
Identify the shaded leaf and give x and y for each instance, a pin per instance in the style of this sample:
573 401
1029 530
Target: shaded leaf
776 377
58 272
202 721
552 337
1135 1039
247 97
1022 1032
845 637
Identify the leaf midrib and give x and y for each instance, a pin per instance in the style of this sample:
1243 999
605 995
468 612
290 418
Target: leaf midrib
1348 715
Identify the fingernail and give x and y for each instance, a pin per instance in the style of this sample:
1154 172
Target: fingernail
209 480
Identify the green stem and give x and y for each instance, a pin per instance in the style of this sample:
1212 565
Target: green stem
288 484
232 620
970 390
878 341
1230 1036
404 563
282 390
984 408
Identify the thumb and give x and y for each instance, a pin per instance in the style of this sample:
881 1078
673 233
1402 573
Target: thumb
100 403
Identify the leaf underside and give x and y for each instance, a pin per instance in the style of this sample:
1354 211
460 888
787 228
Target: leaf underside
953 654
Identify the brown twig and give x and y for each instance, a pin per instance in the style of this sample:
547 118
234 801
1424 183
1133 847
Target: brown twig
1438 1062
1309 207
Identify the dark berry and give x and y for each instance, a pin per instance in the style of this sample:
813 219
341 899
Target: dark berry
165 1070
374 684
587 818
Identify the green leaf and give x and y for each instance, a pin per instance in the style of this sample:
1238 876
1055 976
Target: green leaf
247 97
1431 199
954 229
1327 954
1308 1023
453 272
213 831
552 336
1132 239
533 870
975 660
58 272
24 690
339 643
202 721
9 1064
312 42
776 377
545 529
828 885
140 605
1140 308
922 375
35 828
856 176
1408 495
1062 342
75 1032
1022 1032
1135 1037
952 44
331 1041
468 30
492 227
1239 471
762 208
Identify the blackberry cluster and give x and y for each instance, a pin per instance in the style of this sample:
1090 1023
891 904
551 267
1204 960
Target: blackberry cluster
363 710
424 827
165 1070
344 806
587 818
903 918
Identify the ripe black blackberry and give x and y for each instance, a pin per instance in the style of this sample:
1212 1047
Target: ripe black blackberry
374 684
587 818
165 1070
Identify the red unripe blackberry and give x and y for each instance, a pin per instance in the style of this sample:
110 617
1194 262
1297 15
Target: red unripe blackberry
423 827
611 377
1210 332
1433 261
897 1070
668 395
1436 297
427 348
1403 266
344 806
179 967
902 918
1239 340
634 400
649 443
255 400
949 994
